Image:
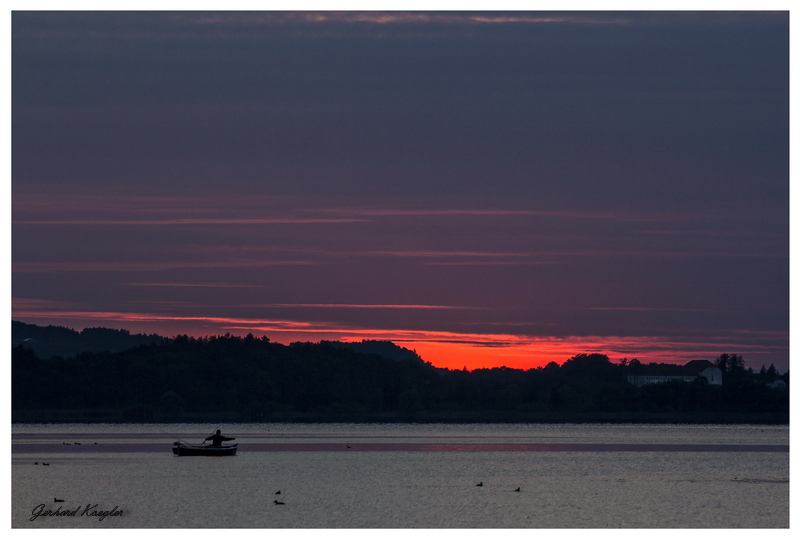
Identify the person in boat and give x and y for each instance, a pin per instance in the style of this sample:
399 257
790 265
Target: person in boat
217 438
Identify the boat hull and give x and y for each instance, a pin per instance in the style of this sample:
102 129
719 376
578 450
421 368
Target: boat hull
188 450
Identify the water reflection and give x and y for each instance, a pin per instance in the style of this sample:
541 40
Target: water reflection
409 476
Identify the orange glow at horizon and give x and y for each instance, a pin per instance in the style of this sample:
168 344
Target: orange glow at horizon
471 357
449 350
528 354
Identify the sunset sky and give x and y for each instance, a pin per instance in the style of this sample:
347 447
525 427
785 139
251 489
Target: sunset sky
487 188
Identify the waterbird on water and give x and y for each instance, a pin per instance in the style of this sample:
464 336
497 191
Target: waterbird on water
278 492
276 501
58 500
479 484
517 489
43 463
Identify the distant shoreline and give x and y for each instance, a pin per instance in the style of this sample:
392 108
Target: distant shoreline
478 417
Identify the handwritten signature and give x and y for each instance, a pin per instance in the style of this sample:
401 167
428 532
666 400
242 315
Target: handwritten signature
89 511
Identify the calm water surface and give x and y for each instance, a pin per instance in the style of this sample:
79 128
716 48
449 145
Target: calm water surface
404 476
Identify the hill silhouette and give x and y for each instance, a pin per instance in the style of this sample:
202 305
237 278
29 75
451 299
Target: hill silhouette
386 349
47 341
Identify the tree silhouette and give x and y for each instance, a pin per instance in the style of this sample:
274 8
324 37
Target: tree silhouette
254 379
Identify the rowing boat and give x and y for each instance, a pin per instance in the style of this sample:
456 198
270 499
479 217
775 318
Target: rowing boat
193 450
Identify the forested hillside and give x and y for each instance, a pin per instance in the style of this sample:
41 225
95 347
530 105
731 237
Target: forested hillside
49 341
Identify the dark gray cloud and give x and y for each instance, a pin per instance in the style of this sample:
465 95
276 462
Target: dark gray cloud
574 173
426 107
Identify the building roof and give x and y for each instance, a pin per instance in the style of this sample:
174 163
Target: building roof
692 368
696 366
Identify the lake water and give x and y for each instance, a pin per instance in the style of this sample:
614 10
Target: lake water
404 476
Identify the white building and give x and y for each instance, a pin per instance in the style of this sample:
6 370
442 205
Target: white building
690 372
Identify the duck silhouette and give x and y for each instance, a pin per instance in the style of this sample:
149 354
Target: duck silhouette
479 484
278 492
58 500
43 463
276 501
517 489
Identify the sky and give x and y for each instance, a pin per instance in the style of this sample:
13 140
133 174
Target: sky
486 188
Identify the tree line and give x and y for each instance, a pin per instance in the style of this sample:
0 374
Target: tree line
250 379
